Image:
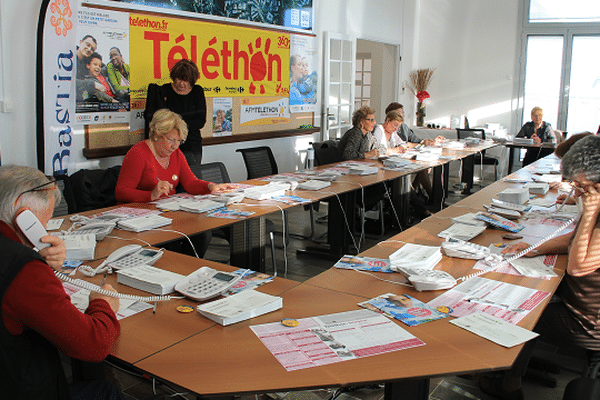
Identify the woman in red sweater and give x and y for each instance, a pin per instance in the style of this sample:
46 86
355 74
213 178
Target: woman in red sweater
155 167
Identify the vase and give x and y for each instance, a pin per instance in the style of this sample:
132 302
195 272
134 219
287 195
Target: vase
420 113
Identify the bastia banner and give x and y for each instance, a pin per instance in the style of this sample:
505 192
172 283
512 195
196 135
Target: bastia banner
55 81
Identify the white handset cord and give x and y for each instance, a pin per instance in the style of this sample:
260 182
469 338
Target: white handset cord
519 254
94 288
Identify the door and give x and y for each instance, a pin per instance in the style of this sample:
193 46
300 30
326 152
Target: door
338 85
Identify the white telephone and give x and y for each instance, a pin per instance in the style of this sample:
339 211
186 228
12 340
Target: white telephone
427 279
125 257
461 249
206 283
100 229
32 228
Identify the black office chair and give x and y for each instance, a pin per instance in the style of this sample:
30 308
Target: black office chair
217 172
483 160
326 152
259 161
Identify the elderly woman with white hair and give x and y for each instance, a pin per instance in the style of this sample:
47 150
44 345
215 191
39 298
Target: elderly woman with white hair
575 320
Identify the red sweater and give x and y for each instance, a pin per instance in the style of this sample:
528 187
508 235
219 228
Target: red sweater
36 300
140 170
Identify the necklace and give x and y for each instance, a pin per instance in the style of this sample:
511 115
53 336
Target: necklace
163 161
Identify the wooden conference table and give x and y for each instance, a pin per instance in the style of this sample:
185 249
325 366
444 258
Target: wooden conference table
513 147
247 236
201 357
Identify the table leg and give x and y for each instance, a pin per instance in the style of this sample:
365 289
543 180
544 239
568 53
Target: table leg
247 244
441 173
468 169
511 158
407 390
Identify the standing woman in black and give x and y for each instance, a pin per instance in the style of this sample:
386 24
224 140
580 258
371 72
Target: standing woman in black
186 98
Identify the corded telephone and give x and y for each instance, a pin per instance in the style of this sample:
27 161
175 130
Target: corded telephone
125 257
206 283
423 279
33 229
100 229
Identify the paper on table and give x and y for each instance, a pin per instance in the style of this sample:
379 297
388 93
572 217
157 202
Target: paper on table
494 329
533 267
54 224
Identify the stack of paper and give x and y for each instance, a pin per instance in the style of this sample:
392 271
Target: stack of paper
395 162
80 247
537 187
144 223
518 196
149 279
265 192
240 306
462 231
200 206
415 256
428 156
362 169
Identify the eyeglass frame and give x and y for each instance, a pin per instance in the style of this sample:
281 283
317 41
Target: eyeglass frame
174 141
39 188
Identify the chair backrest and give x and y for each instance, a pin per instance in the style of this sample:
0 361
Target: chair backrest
467 133
213 172
94 188
259 161
327 152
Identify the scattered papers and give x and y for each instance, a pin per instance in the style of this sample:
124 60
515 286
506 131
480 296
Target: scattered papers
541 202
250 280
506 301
533 267
332 338
403 307
494 329
81 298
468 219
364 264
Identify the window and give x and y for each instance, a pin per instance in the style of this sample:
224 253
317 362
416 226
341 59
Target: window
561 43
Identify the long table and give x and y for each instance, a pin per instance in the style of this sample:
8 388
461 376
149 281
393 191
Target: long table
247 236
210 360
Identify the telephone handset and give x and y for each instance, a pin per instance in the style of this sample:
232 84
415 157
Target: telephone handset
427 279
128 256
32 228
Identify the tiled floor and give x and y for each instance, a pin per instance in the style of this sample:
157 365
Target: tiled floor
302 267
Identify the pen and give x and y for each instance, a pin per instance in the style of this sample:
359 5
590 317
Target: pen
103 279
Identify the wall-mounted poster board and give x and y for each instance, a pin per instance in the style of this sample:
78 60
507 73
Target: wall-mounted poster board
98 61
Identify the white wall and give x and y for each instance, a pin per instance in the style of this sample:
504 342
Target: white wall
472 45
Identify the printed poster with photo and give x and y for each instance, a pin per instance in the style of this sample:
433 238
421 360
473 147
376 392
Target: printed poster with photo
303 74
222 116
102 67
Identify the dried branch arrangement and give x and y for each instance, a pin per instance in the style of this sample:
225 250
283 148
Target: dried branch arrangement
419 80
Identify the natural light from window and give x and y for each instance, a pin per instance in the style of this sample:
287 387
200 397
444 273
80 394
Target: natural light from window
548 11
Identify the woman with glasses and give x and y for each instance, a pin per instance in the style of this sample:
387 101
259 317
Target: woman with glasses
359 142
575 320
154 167
184 97
540 131
386 133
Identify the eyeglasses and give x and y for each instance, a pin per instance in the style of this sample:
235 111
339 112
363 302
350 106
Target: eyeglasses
178 142
370 119
40 188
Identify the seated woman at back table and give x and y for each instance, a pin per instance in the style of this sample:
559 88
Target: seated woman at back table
154 167
387 135
575 320
541 132
359 142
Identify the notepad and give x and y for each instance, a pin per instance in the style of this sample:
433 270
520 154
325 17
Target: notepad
240 306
